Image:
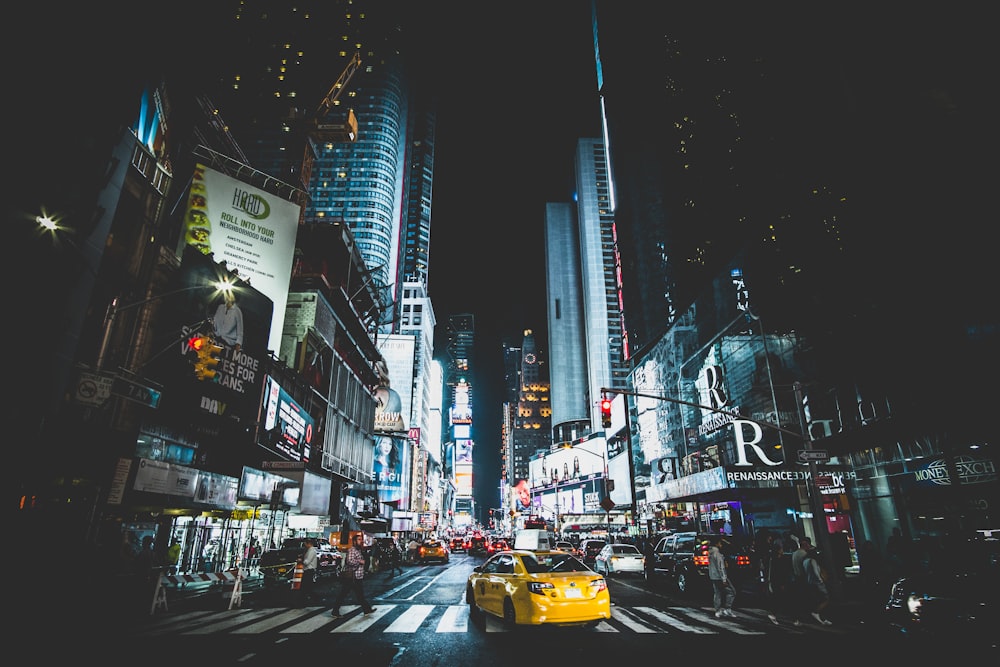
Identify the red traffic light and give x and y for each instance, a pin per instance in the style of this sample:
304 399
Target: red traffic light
606 412
196 342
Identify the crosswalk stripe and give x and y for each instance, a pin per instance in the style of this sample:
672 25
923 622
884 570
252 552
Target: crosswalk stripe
630 621
273 622
455 619
709 617
232 621
175 623
310 624
362 622
675 622
410 620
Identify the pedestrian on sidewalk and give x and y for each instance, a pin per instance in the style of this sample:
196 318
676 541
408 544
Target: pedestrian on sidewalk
310 563
817 595
394 558
779 581
352 579
723 591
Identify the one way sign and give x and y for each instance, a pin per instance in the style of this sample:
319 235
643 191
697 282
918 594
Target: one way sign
806 455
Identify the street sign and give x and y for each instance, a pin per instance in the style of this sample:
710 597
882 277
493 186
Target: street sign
134 391
806 455
607 504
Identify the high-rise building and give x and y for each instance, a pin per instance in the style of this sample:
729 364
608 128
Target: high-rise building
533 419
298 80
568 376
607 364
459 349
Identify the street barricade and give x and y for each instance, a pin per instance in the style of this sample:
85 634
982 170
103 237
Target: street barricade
234 576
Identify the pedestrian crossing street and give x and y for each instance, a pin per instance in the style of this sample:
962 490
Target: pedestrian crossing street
411 618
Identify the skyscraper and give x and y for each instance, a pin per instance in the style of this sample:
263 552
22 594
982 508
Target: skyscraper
533 420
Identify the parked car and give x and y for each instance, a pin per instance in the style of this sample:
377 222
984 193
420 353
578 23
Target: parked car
619 559
589 550
432 550
278 565
957 601
682 559
537 588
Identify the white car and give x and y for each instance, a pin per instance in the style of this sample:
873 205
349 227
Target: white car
619 559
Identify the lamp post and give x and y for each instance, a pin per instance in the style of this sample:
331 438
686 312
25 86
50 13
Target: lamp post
221 286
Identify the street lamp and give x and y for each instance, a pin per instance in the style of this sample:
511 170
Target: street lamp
222 286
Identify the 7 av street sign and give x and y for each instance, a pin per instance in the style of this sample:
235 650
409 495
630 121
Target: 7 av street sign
806 455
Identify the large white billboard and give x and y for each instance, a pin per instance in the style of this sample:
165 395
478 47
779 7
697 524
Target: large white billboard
249 229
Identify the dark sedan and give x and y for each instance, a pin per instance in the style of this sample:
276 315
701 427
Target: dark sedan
958 601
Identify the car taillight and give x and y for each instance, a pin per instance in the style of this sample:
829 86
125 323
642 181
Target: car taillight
743 560
599 584
701 561
539 587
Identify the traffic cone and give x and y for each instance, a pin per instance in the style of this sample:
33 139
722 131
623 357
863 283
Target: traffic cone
297 576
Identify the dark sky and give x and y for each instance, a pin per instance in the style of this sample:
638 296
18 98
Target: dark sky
515 95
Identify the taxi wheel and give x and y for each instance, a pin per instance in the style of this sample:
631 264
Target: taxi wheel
509 615
475 613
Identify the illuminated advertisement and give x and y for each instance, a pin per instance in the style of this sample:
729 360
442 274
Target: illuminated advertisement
463 481
249 229
463 451
287 428
388 466
399 354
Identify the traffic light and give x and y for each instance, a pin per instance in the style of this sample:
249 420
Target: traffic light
206 357
606 412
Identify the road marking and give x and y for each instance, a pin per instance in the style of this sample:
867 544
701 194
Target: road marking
236 619
709 617
410 620
675 622
313 623
274 621
455 619
362 622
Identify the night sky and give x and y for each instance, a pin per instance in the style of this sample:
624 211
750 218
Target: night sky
516 87
508 123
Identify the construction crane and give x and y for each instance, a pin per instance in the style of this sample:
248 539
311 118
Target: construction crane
322 129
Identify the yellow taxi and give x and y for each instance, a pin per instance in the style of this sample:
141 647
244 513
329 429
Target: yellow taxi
537 588
432 550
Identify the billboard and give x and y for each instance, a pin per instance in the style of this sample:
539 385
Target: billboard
249 229
287 427
390 451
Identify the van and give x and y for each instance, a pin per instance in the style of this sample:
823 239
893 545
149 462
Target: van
535 539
